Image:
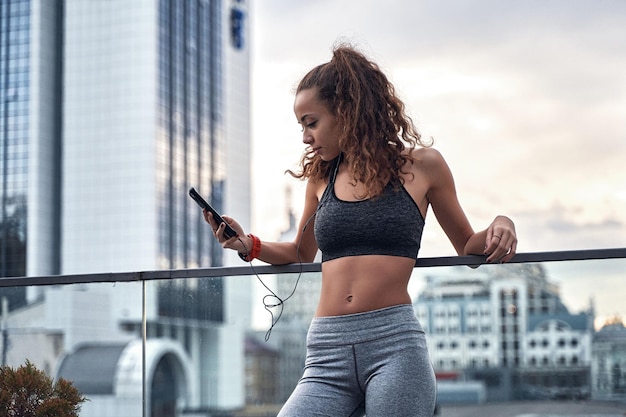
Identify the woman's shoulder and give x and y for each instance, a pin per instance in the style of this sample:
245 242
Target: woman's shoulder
425 158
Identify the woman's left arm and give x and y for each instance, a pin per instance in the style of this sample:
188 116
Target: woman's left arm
498 242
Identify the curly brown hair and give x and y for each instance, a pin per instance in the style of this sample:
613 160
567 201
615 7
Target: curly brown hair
376 128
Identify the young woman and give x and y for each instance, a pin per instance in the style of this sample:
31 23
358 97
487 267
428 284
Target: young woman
370 181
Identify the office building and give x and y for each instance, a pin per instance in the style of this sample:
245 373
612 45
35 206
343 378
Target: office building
608 367
507 326
111 110
30 138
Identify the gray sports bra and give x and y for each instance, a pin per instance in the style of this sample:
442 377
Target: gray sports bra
390 224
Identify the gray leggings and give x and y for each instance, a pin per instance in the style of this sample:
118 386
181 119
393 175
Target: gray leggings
374 362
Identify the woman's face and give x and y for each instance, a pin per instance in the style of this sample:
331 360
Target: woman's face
320 129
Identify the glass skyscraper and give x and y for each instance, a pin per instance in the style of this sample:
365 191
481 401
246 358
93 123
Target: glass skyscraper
30 140
110 111
146 89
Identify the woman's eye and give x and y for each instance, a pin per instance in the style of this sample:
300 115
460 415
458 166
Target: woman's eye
308 126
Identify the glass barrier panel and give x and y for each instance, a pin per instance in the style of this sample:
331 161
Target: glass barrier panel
526 339
504 340
209 345
84 333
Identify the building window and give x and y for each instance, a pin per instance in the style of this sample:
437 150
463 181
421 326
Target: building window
237 19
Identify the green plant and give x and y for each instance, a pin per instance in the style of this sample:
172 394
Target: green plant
29 392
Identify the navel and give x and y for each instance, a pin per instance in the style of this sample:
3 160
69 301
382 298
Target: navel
349 298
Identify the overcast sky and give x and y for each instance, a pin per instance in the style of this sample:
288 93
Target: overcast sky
525 100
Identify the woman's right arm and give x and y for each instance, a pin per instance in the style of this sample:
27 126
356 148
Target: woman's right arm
302 249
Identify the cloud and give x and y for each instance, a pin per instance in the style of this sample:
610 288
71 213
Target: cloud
398 29
561 227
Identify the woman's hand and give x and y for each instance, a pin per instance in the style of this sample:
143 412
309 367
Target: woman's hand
501 240
236 242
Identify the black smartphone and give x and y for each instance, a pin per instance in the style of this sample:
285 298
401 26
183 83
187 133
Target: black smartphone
229 231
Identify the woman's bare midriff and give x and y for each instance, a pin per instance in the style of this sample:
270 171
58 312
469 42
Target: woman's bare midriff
356 284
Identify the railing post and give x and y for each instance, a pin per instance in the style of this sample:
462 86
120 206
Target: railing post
143 349
5 330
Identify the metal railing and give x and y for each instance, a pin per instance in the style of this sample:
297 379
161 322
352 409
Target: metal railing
529 257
